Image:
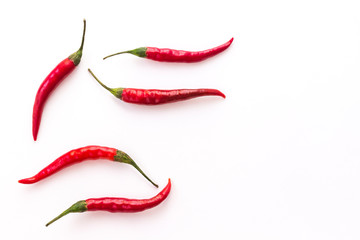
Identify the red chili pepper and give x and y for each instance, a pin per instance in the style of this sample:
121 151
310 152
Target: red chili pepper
155 96
116 204
171 55
81 154
51 82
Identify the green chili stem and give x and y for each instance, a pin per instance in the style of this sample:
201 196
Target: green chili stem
79 206
142 173
106 87
117 92
83 37
60 216
76 56
124 158
116 54
140 52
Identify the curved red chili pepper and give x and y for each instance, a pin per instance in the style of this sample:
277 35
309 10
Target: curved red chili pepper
81 154
116 204
51 81
155 96
172 55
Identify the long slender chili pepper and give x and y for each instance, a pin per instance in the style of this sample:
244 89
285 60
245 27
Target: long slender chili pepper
116 204
51 82
172 55
81 154
155 96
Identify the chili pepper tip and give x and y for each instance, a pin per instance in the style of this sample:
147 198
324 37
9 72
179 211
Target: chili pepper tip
27 180
221 94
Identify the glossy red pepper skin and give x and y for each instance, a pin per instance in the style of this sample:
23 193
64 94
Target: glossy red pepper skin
172 55
79 155
127 205
115 205
155 96
47 86
55 77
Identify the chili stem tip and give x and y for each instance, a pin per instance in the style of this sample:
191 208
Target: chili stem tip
83 36
124 158
115 54
104 86
79 206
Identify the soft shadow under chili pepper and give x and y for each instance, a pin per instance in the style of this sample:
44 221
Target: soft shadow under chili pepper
116 204
81 154
51 82
172 55
156 96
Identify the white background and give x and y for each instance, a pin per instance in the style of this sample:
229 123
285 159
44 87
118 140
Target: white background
279 158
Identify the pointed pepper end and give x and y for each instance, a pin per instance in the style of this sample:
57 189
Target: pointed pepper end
220 94
35 135
23 181
29 180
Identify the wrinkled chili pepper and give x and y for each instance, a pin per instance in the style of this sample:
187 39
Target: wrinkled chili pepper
51 82
81 154
116 204
155 96
172 55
